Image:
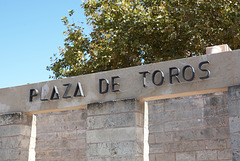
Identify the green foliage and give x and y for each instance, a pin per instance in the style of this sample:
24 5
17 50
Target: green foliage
134 32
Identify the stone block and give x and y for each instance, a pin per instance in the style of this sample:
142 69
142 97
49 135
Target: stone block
165 157
163 137
12 118
199 134
186 146
66 153
80 133
235 142
155 127
234 107
222 110
69 126
55 154
18 141
216 144
202 112
186 156
129 158
184 125
156 148
115 120
130 148
13 130
228 141
80 153
235 156
155 107
152 157
207 155
48 128
41 155
151 139
207 112
184 115
223 132
49 145
225 154
183 103
214 101
69 144
130 105
234 123
216 121
48 136
13 154
114 135
161 117
79 115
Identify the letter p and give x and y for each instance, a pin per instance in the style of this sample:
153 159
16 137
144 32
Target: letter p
33 93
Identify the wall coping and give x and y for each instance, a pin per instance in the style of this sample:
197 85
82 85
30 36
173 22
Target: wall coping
139 82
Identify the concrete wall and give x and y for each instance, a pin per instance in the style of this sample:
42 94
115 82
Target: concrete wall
224 68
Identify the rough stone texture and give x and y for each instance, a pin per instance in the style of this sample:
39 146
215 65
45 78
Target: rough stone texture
234 120
15 133
61 136
193 128
115 131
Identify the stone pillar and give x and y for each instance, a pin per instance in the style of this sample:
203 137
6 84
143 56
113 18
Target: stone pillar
115 131
234 120
15 134
61 136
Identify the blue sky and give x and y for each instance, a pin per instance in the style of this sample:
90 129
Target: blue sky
30 33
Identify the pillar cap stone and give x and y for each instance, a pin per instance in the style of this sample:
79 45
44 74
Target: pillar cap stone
218 49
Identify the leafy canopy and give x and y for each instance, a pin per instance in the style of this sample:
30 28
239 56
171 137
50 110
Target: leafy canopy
134 32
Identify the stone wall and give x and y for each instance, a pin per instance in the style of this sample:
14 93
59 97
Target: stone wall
15 134
194 128
115 131
61 136
234 120
104 131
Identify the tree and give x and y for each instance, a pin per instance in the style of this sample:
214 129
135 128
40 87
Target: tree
133 32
